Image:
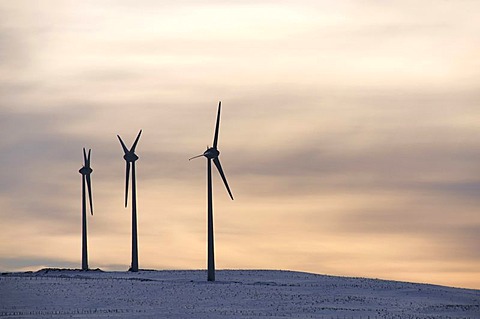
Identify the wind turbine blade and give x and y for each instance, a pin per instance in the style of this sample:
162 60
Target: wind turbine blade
88 157
126 182
125 149
89 186
136 141
195 157
215 139
216 161
84 157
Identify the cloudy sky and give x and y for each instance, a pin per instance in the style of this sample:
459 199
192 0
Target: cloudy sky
350 134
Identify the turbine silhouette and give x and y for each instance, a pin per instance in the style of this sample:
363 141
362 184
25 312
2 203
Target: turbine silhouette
130 158
212 153
86 170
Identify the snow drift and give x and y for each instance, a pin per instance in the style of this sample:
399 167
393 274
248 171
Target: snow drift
236 294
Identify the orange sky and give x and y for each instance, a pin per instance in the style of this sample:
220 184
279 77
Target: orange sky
349 134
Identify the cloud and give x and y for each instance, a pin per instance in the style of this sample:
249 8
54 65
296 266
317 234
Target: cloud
37 154
27 264
348 132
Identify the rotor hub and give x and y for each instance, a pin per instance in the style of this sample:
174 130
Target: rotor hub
130 157
211 153
85 170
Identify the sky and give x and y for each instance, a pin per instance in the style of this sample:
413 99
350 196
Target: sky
349 134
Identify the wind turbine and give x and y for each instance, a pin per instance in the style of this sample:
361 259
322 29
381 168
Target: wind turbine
86 170
212 153
130 158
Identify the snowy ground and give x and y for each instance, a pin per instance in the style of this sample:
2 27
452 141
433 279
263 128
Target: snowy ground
236 294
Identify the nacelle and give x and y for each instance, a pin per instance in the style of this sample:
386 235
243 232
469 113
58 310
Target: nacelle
130 157
85 170
211 153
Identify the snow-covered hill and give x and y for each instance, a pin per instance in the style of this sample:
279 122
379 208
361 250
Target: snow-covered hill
236 294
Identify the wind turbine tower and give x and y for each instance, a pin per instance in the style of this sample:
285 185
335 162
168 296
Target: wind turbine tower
212 154
130 158
86 170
